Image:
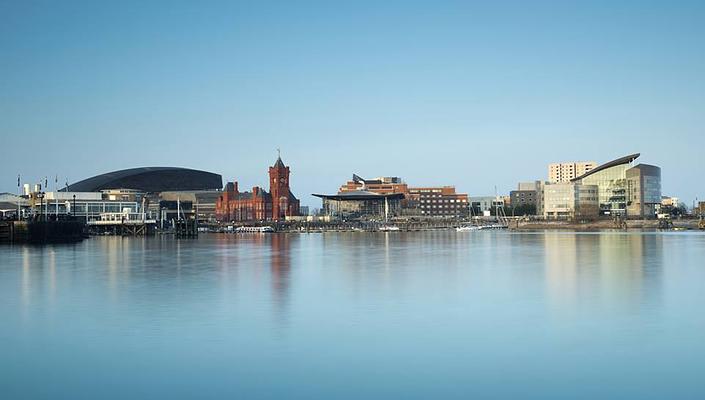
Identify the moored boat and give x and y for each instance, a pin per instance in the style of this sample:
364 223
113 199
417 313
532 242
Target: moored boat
254 229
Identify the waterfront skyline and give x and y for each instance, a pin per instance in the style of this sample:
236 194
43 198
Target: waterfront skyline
484 95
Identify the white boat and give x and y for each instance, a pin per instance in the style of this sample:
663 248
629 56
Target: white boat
254 229
388 228
467 228
494 226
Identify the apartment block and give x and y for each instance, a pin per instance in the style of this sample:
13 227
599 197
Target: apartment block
567 171
440 201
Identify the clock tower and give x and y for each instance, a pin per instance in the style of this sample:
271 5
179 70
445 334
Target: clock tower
279 189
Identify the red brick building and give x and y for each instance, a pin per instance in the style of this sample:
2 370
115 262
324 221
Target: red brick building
259 205
436 201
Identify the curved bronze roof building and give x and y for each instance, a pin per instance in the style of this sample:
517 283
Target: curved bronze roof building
620 161
150 180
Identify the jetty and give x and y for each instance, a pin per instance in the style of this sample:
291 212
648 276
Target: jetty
123 224
40 232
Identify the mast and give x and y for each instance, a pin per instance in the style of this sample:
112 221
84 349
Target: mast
386 209
19 196
56 196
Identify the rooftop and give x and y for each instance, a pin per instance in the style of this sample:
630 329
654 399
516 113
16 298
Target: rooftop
622 160
359 195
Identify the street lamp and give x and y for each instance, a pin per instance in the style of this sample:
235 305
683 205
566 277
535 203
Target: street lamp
40 196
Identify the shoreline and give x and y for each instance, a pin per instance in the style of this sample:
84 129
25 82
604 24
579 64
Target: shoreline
644 225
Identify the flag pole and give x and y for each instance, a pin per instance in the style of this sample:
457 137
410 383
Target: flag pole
19 197
56 195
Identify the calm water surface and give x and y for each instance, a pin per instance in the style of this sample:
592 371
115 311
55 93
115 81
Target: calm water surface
403 315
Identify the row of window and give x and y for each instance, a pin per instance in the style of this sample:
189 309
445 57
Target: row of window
444 201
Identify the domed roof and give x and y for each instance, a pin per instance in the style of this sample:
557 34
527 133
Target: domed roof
151 180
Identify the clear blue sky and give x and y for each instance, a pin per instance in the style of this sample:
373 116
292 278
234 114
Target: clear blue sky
473 95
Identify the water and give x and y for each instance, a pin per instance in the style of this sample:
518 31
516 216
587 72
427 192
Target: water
359 315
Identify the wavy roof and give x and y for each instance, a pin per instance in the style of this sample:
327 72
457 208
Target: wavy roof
622 160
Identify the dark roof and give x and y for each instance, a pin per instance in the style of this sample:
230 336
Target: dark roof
249 195
359 195
279 163
622 160
150 179
8 206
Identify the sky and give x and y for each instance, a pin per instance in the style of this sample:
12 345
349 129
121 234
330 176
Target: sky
472 94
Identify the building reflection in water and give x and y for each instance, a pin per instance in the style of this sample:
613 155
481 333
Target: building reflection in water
39 275
26 281
622 271
280 269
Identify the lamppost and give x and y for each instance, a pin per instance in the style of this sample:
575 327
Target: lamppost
40 196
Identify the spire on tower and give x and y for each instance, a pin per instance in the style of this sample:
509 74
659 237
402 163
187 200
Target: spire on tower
279 163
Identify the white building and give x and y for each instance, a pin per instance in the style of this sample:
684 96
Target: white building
568 200
482 205
88 205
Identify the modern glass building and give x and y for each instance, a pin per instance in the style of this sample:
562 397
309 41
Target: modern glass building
361 204
611 180
623 189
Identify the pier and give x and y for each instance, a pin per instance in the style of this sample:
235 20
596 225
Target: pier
61 231
123 224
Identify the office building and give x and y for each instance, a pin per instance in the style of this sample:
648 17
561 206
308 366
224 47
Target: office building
521 198
438 201
485 205
381 185
644 190
568 201
431 201
616 192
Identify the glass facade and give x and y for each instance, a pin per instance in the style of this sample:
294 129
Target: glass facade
78 208
644 183
612 188
569 200
361 208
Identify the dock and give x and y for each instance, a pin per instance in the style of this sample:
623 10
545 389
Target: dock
122 224
39 232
